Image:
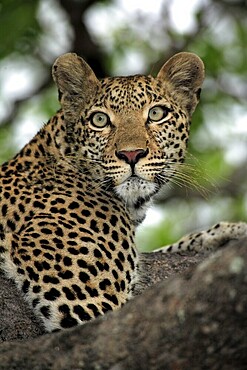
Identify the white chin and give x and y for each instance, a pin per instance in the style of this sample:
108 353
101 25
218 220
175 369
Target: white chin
134 189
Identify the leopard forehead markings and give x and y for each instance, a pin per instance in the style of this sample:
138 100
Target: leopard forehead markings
71 199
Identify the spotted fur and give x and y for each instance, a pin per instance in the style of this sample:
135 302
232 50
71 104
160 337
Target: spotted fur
71 198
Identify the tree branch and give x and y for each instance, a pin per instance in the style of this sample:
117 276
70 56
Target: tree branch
192 321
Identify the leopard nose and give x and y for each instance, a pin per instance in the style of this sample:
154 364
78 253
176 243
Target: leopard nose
131 156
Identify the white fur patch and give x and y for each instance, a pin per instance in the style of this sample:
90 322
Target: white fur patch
134 189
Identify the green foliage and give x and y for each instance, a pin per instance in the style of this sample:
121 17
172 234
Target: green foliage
6 144
19 26
48 102
161 234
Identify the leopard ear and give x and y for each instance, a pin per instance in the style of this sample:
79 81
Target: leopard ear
76 83
184 72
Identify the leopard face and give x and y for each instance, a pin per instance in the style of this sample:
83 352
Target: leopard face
70 200
138 146
135 129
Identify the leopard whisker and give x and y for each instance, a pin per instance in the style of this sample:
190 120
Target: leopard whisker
182 179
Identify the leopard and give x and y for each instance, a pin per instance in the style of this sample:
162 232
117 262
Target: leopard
72 198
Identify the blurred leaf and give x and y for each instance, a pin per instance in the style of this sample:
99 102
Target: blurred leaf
6 144
19 26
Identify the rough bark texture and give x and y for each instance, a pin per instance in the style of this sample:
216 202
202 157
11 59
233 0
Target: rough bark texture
191 320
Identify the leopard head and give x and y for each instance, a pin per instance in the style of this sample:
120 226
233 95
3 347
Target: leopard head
133 131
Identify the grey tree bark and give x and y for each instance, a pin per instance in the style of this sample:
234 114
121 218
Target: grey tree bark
194 318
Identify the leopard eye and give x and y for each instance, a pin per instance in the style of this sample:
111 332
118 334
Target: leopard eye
157 113
99 119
